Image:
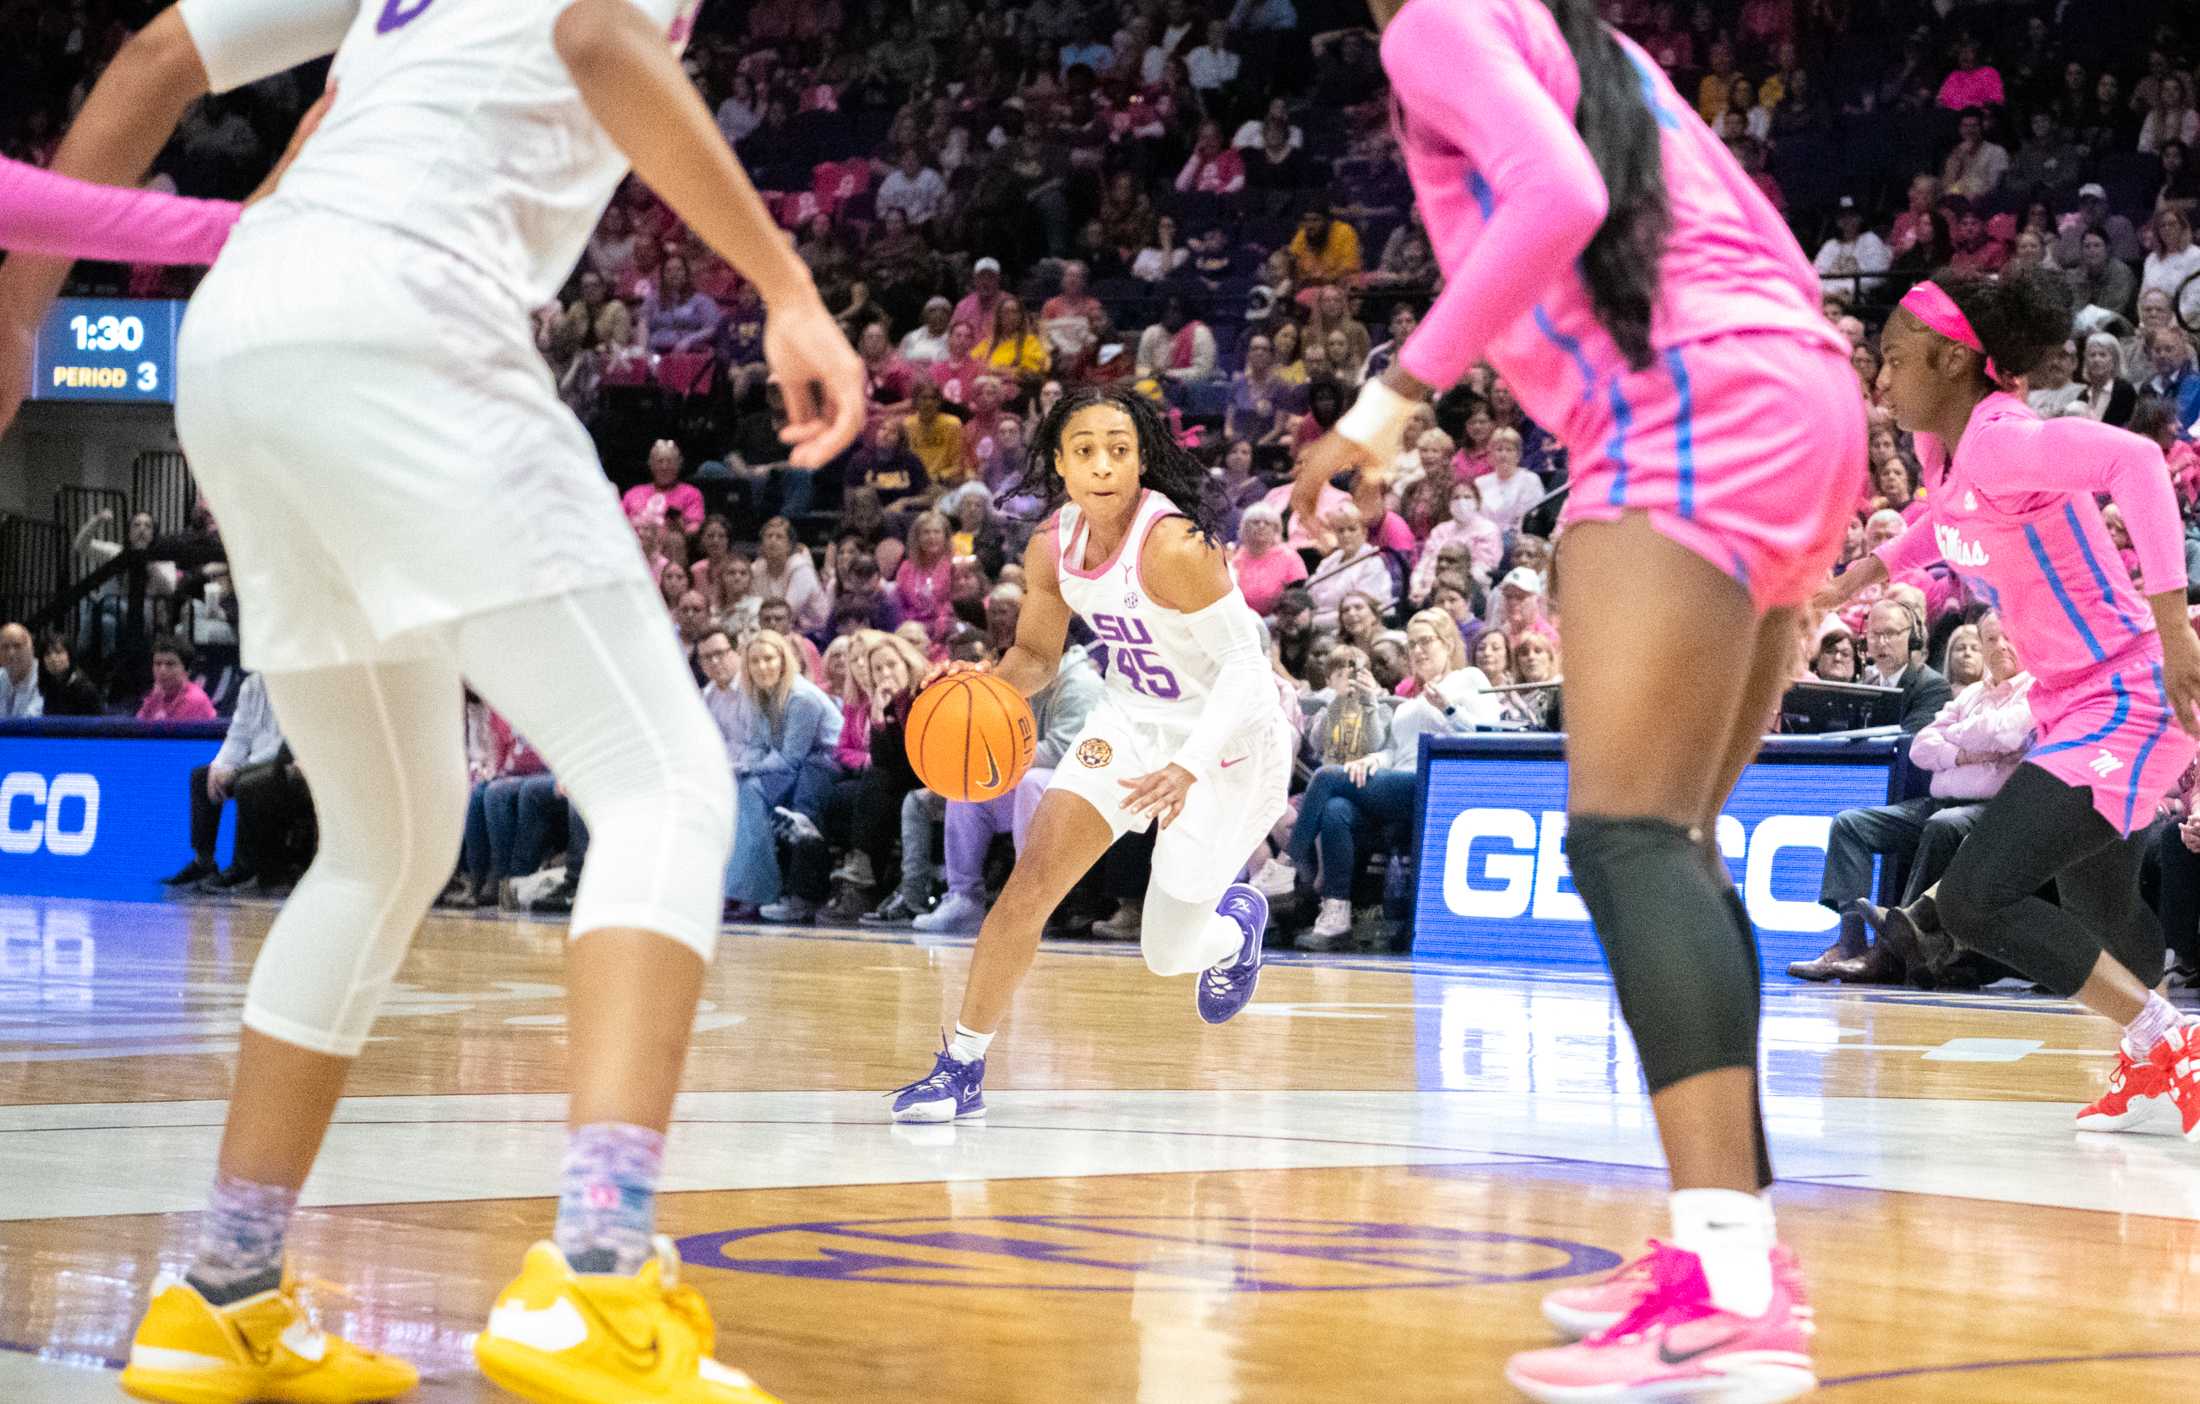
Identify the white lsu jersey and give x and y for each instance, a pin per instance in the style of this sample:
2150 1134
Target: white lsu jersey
1156 671
455 122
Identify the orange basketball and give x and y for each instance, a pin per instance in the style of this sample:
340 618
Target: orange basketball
971 737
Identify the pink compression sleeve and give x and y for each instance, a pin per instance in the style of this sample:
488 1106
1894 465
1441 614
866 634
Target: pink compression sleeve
51 215
2079 455
1460 74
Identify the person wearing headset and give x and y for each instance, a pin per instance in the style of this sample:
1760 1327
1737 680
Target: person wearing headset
1894 650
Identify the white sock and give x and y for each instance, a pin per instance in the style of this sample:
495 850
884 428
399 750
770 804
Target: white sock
1220 943
2153 1024
1731 1235
968 1045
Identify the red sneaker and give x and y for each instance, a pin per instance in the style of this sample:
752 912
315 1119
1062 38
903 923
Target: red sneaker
1599 1306
1676 1344
2177 1059
2137 1097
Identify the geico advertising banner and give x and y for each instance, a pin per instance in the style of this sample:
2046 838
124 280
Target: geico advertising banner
96 817
1494 884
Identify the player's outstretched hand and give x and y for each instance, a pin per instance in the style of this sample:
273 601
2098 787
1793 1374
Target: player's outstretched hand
307 126
1159 793
1330 455
820 377
951 668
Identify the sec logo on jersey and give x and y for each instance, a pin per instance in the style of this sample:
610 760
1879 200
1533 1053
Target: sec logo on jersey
1095 753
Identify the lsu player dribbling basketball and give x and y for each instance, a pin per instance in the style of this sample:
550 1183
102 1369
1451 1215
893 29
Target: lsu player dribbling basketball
1188 733
405 502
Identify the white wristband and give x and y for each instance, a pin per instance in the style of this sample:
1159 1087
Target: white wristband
1377 420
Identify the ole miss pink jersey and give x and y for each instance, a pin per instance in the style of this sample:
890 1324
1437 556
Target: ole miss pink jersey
1511 197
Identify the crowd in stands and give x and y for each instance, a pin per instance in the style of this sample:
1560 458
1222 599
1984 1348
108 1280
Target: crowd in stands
1203 200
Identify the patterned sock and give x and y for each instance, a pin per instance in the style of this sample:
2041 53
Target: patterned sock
240 1251
968 1045
608 1207
2151 1027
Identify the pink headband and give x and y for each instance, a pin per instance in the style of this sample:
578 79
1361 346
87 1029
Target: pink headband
1930 304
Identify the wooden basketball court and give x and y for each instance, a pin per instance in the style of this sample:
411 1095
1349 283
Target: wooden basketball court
1358 1190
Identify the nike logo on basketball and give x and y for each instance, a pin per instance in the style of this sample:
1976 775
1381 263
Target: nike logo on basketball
2104 764
1669 1356
992 771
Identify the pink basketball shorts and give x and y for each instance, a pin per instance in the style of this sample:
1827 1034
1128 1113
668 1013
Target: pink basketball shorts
2113 733
1746 448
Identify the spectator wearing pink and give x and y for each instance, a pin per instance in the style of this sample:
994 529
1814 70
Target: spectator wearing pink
1980 738
664 494
1914 225
976 308
1473 458
784 571
1332 497
1466 526
891 381
1354 565
1074 300
853 750
1179 348
954 374
1263 565
982 430
923 586
1766 24
174 698
1974 83
1370 493
1213 168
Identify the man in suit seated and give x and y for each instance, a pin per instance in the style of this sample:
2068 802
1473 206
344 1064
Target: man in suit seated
1894 649
1971 747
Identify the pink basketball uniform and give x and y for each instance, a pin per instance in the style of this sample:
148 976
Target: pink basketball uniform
1743 439
2015 515
50 215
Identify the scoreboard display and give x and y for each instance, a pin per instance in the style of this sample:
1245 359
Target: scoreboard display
108 349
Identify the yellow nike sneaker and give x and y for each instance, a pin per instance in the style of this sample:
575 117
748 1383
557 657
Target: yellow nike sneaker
557 1337
262 1350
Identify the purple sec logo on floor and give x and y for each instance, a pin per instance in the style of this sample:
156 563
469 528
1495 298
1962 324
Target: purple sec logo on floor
1145 1253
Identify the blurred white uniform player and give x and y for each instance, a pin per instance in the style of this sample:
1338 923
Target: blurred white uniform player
405 502
358 387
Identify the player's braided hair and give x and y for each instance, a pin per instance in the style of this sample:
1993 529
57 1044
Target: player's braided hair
1620 266
1164 465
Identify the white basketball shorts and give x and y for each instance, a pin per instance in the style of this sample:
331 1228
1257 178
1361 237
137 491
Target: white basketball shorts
1225 815
382 445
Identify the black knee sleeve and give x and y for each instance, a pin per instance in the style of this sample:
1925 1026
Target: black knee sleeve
2038 828
1689 988
1746 934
